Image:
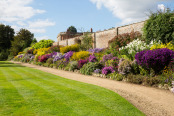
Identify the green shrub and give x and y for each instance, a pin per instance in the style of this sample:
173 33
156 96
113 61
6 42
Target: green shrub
80 55
137 79
43 44
160 27
116 76
73 65
69 48
89 68
49 61
86 42
124 66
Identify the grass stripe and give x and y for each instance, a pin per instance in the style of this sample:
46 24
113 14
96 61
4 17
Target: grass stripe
38 98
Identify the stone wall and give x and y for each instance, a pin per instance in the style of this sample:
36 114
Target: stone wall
63 43
132 27
101 38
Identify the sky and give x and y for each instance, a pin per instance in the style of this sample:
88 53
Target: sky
47 18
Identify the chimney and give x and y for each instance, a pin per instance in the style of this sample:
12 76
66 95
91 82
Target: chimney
91 30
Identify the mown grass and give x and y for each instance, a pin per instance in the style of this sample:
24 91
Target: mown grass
29 92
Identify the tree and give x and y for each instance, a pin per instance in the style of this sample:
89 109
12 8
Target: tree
6 36
22 40
71 30
87 42
160 26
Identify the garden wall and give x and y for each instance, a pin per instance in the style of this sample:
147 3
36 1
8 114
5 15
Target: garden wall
101 38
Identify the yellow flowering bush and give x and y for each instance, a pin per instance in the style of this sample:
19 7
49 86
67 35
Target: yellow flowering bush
20 53
80 55
159 46
41 51
66 49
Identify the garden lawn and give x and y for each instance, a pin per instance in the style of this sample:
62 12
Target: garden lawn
27 91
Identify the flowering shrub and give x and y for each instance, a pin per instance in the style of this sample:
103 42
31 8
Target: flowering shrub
58 56
81 63
107 70
97 71
92 58
159 46
96 50
68 55
155 59
41 51
30 51
55 48
66 49
43 44
113 63
80 55
89 68
123 39
133 47
124 66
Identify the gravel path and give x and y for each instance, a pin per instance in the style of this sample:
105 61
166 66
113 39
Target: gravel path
151 101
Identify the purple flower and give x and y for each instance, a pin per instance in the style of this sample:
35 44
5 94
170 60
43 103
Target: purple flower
68 55
96 50
81 63
107 57
59 56
20 56
92 58
97 71
107 70
155 59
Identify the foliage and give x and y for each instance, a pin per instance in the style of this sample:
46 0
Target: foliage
96 50
113 63
61 63
72 30
86 42
159 46
30 51
49 61
73 65
97 71
44 58
107 70
92 58
122 40
160 26
133 47
41 51
21 41
6 36
4 54
68 55
89 68
81 63
55 48
66 49
124 66
58 56
155 59
108 57
43 44
80 55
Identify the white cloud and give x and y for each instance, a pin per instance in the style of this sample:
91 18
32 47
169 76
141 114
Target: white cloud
33 30
161 7
21 23
41 23
17 10
42 37
128 10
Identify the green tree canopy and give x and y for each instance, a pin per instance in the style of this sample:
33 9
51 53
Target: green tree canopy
72 30
22 40
6 36
160 26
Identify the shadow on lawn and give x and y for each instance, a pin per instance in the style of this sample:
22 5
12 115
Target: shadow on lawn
9 64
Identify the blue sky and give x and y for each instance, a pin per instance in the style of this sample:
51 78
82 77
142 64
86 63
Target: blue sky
46 18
